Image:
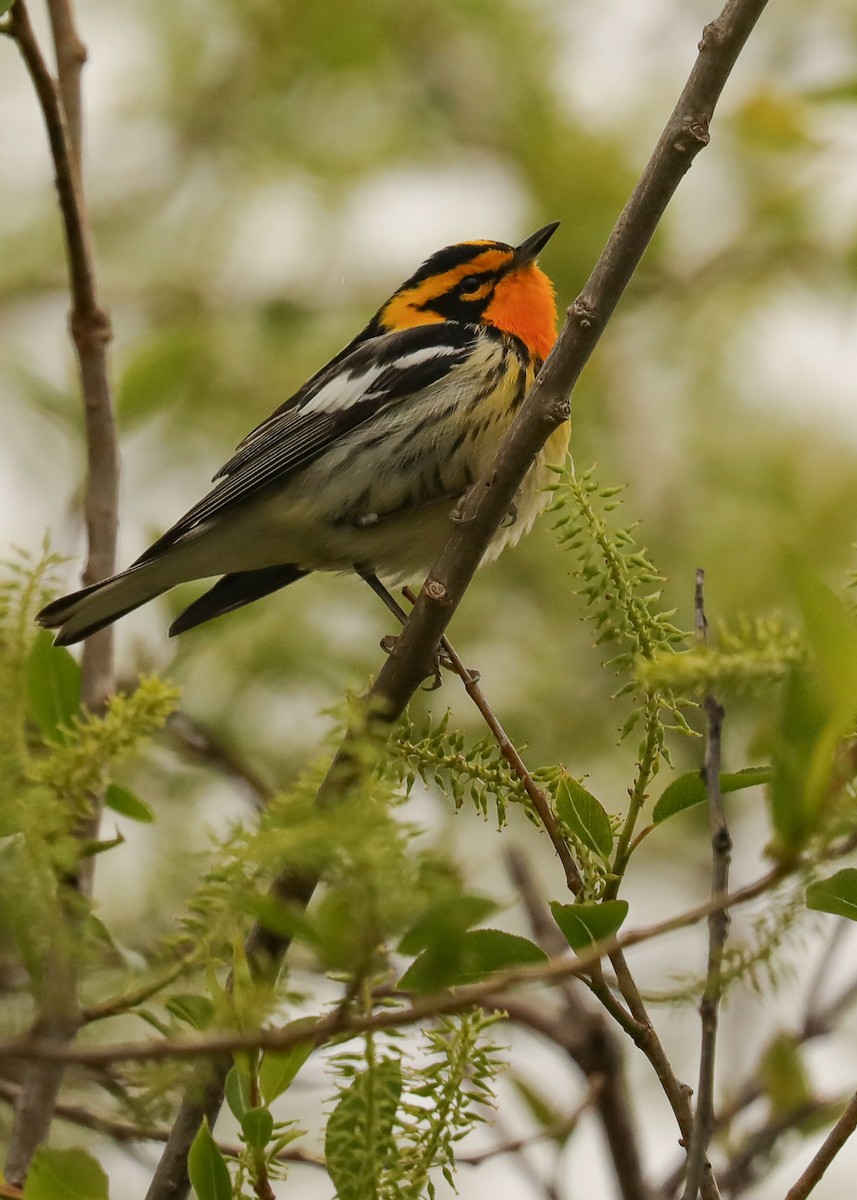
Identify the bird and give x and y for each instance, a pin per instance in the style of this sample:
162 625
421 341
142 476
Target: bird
362 468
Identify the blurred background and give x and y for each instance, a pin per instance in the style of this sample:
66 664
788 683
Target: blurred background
260 177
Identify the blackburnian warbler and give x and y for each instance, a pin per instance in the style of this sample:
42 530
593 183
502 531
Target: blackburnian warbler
360 470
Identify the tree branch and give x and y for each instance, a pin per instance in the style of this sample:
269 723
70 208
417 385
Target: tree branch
468 996
539 798
718 929
821 1023
830 1147
90 330
121 1131
71 57
589 1041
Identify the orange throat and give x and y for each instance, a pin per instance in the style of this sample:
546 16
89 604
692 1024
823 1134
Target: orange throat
525 306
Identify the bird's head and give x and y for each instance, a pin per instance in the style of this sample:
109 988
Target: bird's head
486 283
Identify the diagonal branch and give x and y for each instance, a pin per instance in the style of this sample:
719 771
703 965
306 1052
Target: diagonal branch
830 1147
545 409
584 1034
223 1043
538 797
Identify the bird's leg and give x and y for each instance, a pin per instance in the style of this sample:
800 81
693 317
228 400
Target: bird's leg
399 613
447 656
381 592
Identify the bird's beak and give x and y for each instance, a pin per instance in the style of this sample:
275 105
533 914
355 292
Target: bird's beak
529 250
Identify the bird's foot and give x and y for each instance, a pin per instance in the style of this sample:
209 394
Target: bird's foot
442 662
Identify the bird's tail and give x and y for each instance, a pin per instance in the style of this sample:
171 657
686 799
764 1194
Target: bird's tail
234 591
82 613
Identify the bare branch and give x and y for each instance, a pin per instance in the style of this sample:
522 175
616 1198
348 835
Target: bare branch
751 1162
561 1128
718 929
589 1041
121 1131
90 330
540 800
460 999
199 744
820 1023
646 1039
71 57
830 1147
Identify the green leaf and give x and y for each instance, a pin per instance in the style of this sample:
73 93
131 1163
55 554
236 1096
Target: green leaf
123 801
359 1140
95 846
53 686
837 895
193 1010
206 1167
5 5
543 1112
65 1175
803 746
832 633
448 918
257 1125
473 956
583 925
279 1067
818 710
690 789
584 816
236 1091
783 1076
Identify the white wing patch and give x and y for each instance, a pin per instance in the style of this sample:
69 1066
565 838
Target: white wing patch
425 355
342 391
339 393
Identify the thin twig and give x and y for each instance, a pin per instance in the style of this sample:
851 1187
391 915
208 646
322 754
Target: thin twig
123 1003
752 1160
466 997
119 1130
198 743
545 408
718 928
830 1147
558 1129
822 970
90 330
539 798
646 1039
71 57
821 1023
589 1041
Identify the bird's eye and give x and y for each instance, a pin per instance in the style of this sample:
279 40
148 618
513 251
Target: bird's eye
470 284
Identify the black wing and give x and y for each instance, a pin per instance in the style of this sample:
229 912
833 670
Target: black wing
379 372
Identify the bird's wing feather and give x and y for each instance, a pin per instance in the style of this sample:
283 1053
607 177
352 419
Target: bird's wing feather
380 372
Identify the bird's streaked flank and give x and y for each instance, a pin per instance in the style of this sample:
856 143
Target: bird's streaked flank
362 468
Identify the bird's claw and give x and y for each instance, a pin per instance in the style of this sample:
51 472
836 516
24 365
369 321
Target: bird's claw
510 516
442 662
